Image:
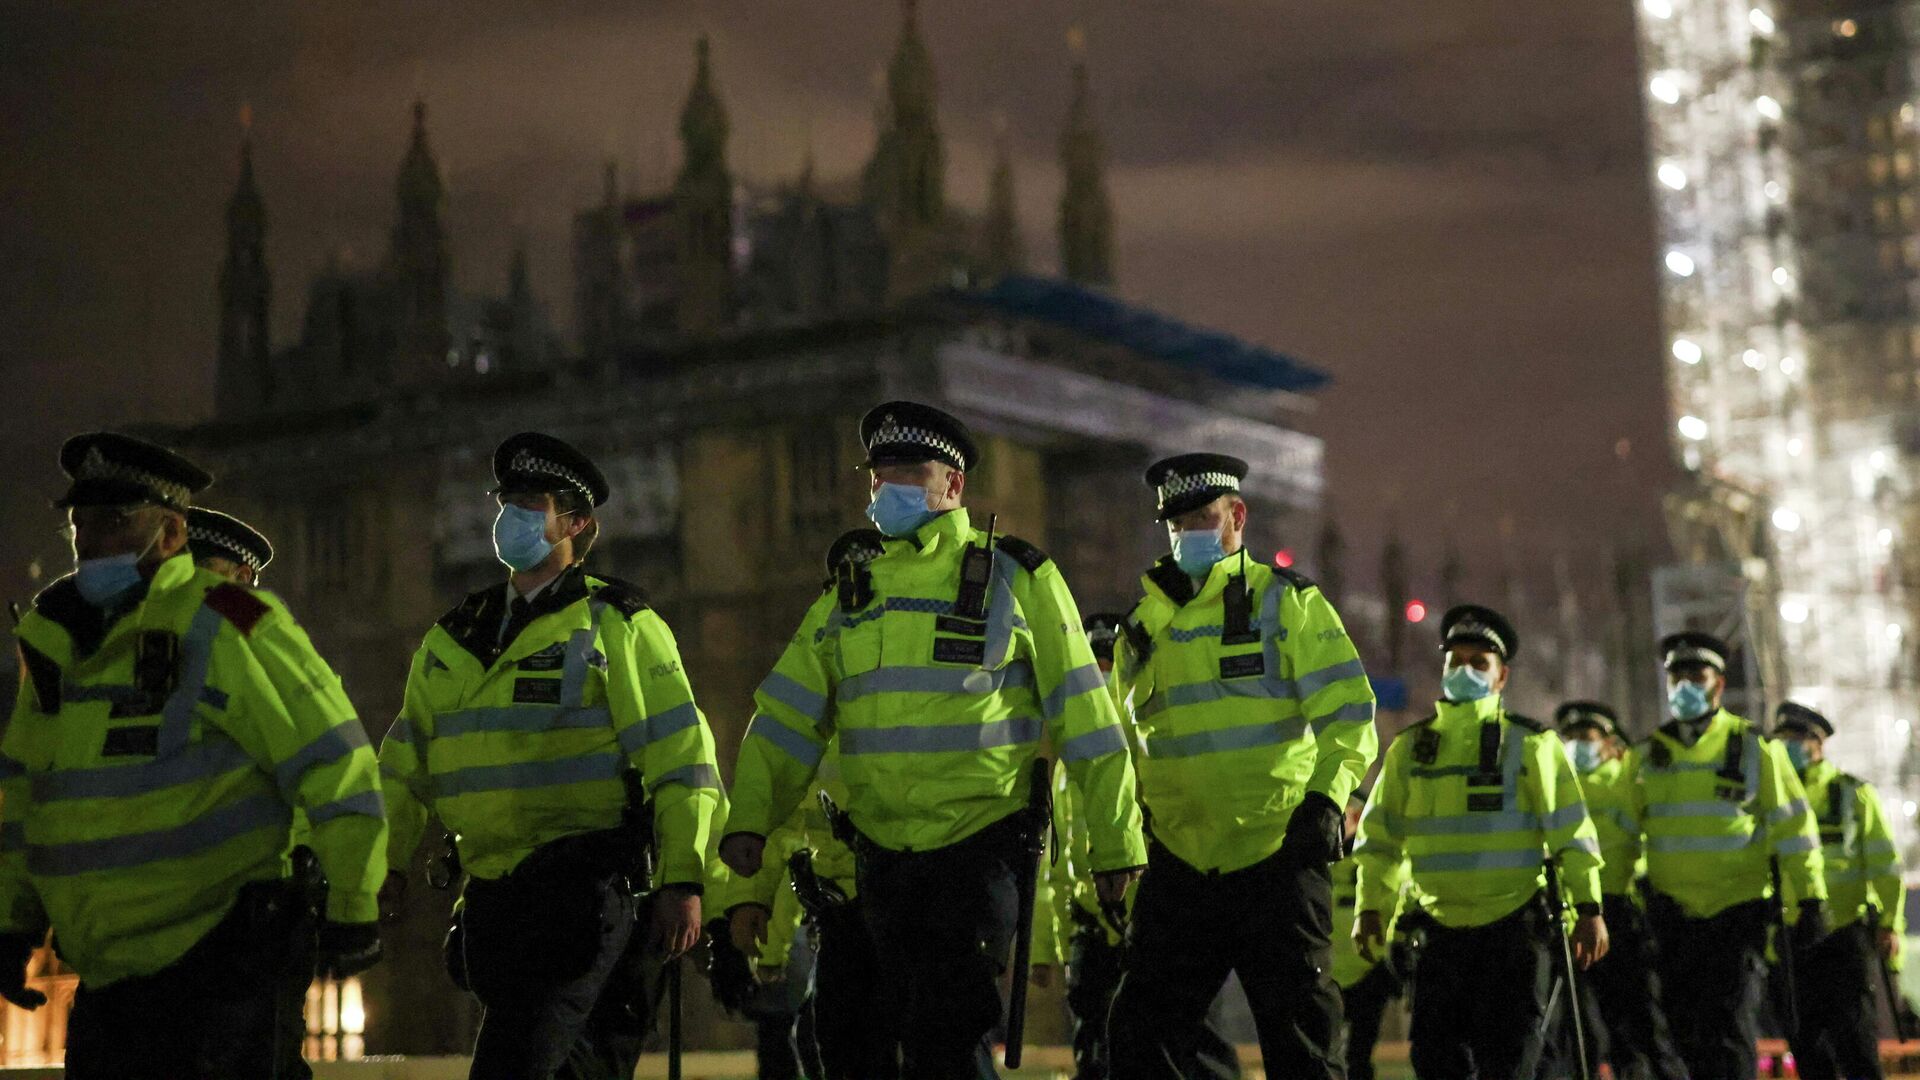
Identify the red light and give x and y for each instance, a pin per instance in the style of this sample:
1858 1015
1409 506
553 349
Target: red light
1283 558
1416 611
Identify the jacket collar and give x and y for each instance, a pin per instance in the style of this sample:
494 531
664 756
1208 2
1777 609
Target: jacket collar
1461 713
948 527
1167 579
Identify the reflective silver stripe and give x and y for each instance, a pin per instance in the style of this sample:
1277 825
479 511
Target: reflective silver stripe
1513 755
11 769
1096 743
209 830
1243 737
1476 860
1379 811
999 611
1353 712
1781 813
1204 693
1878 847
573 667
1570 814
932 680
582 768
418 784
787 692
401 731
1795 845
364 803
1683 766
335 743
1315 681
1499 821
1081 680
1581 843
13 837
523 718
1620 819
941 738
176 725
1695 808
697 775
797 746
659 726
1681 845
1270 629
202 761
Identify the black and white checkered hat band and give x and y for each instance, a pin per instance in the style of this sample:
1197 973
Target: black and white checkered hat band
1588 716
95 466
893 435
224 543
1177 485
1478 631
526 463
1696 654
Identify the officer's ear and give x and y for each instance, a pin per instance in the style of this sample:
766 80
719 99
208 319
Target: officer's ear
1500 666
173 535
1237 510
956 483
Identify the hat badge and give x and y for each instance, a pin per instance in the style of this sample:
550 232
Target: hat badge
93 465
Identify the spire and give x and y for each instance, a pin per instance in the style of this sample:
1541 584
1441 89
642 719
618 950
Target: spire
1393 590
243 372
703 205
610 184
1328 557
1004 252
1086 214
907 175
417 261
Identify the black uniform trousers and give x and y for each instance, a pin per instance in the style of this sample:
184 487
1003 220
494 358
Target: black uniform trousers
556 952
1839 1019
840 1032
942 923
232 1008
1270 923
1094 966
1714 973
1480 997
1624 987
1365 1005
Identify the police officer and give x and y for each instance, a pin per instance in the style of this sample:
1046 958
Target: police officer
539 714
227 546
1716 801
167 724
1621 993
1837 1036
1473 798
940 665
1367 985
1254 722
1092 951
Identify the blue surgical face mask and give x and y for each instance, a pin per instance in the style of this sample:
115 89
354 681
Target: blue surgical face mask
1466 683
1196 550
104 580
1687 700
1798 753
899 509
1587 756
520 537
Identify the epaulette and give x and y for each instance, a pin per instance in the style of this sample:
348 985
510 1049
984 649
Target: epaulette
1172 580
624 596
238 605
461 615
1426 740
44 675
62 603
1137 638
1028 556
1527 722
1299 581
1848 779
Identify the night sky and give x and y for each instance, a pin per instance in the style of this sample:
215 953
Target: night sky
1443 203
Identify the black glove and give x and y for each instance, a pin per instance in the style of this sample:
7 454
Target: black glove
348 948
1317 830
15 951
1811 929
728 970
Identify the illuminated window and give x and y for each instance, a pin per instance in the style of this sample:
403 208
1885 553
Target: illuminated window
336 1020
1846 28
1877 168
1903 165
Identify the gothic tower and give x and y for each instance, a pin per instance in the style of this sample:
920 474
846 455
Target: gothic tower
1002 249
703 207
906 178
599 274
417 268
244 375
1086 215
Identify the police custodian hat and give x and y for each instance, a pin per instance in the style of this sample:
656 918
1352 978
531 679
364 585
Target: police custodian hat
1474 624
532 462
1103 629
110 469
1694 647
211 533
1795 717
1190 481
1578 714
908 433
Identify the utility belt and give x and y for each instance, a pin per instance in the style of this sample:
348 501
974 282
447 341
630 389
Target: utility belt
1535 918
1009 833
588 856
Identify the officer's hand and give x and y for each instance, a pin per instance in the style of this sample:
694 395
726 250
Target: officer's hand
1888 944
1041 975
393 895
748 929
1590 941
1111 887
768 975
1370 936
348 948
1811 928
742 853
1317 831
676 921
15 952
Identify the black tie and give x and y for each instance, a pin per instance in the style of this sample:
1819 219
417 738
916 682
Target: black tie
519 613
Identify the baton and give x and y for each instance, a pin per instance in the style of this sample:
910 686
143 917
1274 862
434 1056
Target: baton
1557 907
673 1019
1039 816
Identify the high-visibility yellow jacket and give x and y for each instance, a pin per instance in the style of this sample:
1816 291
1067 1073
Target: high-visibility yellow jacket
1714 813
1475 799
939 715
1610 804
1859 862
1237 714
806 827
515 748
153 762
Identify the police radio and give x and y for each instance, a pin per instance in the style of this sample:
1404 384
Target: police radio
976 571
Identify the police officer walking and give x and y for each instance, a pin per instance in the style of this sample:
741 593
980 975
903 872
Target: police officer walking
1717 802
940 665
1838 1036
168 723
1254 723
227 546
544 720
1473 799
